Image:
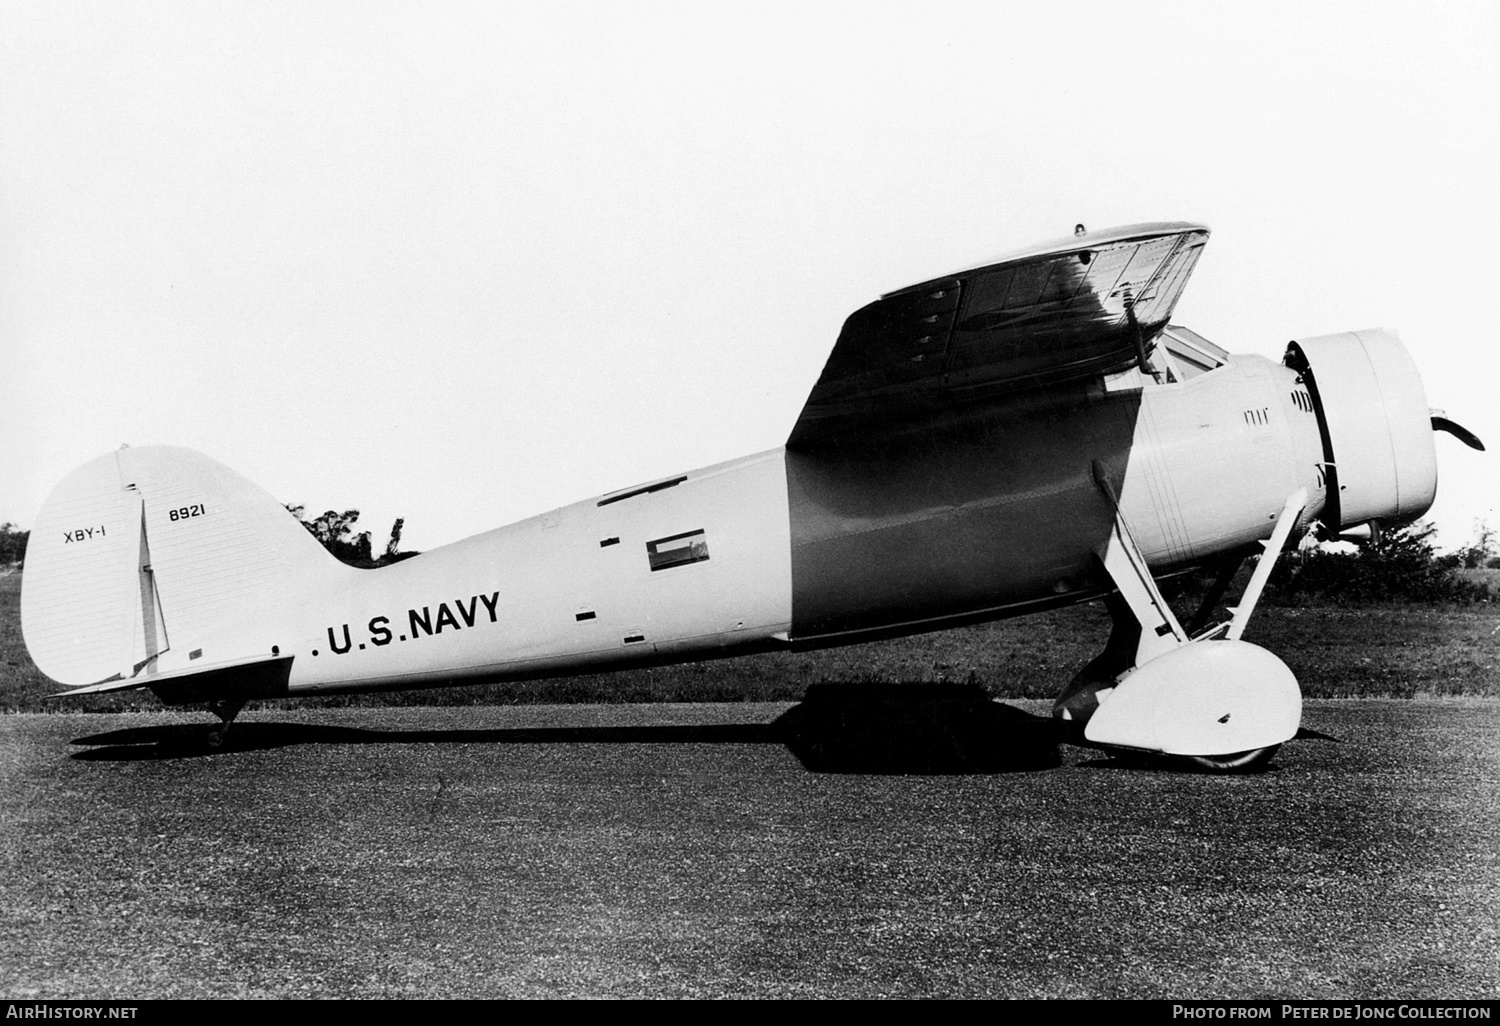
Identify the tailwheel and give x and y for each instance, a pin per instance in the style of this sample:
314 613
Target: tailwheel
226 709
1235 762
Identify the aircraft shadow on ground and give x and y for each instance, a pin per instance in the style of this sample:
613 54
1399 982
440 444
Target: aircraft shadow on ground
905 729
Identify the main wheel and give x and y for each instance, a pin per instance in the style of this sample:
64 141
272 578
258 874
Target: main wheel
1237 762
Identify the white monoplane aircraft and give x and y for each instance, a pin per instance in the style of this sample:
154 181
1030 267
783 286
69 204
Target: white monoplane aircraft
1019 436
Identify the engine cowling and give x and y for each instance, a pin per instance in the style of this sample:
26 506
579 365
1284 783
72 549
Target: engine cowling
1375 424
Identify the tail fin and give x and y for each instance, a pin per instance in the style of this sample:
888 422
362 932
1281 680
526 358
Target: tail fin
158 560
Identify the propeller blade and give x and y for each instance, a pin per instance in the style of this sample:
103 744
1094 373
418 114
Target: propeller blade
1458 431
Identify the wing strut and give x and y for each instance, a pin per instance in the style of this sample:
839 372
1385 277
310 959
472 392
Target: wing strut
1141 359
1240 614
1160 631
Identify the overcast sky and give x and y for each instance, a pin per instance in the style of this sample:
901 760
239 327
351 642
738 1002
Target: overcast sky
464 263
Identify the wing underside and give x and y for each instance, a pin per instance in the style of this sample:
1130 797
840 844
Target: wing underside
1088 305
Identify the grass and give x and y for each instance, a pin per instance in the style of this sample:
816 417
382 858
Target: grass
1487 576
1335 651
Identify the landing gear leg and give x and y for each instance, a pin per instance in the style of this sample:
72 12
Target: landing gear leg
1143 625
1081 697
226 709
1223 575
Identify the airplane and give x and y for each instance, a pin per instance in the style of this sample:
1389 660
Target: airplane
1016 437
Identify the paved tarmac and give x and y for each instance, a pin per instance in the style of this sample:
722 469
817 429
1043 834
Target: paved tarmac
947 848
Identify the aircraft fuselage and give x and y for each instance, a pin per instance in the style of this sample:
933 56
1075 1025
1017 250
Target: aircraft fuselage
954 517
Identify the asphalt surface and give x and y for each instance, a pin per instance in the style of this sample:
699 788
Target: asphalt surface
943 849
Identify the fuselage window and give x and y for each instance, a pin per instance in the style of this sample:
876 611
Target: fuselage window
677 550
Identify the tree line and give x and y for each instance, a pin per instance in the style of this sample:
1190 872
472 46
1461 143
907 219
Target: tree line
1399 565
335 532
12 544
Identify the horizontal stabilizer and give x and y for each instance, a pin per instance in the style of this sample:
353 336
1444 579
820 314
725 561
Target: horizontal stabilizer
115 683
259 676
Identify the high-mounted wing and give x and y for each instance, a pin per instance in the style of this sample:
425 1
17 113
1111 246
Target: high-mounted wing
1085 305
